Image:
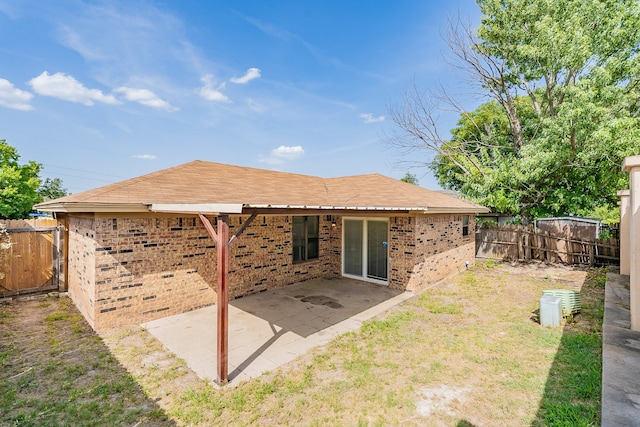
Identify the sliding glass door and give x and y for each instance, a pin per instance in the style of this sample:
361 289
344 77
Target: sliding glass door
377 250
353 246
365 248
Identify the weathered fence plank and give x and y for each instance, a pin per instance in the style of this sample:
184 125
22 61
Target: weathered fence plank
28 266
512 242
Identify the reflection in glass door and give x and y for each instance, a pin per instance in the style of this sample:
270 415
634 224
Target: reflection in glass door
365 252
353 246
377 250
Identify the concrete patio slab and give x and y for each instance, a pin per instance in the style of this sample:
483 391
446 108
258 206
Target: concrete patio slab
272 328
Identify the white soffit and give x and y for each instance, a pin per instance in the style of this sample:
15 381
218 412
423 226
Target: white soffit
228 208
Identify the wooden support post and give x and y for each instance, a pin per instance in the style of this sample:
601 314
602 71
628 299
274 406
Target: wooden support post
65 253
222 241
56 254
222 249
592 254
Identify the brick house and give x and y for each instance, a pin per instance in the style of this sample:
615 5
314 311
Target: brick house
139 249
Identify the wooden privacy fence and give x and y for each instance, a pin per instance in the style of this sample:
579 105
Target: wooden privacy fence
33 262
514 242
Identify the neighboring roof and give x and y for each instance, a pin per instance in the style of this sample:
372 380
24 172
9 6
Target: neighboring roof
570 219
215 187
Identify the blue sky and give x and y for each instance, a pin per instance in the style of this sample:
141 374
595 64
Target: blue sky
100 91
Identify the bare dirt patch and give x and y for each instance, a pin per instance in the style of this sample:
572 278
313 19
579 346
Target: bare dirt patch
441 399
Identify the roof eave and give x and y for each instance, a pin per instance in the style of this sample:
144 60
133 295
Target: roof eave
71 207
459 210
333 207
237 208
196 208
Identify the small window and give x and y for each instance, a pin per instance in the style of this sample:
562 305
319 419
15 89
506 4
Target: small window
465 225
305 238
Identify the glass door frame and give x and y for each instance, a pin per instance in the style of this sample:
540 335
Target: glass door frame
364 276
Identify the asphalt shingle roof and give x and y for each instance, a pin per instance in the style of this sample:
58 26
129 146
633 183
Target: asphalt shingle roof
201 182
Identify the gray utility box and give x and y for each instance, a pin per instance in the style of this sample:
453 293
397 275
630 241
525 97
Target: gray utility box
550 311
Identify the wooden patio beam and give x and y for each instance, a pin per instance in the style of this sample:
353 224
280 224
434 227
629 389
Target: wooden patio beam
209 228
243 227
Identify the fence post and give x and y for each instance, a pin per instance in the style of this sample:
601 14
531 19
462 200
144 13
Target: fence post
571 254
592 254
55 258
535 239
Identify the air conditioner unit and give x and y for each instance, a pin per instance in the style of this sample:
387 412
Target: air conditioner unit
570 300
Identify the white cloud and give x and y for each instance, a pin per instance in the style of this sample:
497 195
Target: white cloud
145 97
74 41
62 86
12 97
251 74
368 118
255 105
145 156
282 34
282 154
122 39
208 92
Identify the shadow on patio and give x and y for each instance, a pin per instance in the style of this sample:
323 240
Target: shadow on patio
272 328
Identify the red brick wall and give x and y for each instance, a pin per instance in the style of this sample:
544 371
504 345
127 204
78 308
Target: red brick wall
402 256
427 248
262 257
149 266
134 268
81 265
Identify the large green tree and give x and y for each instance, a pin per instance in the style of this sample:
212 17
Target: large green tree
18 184
561 83
52 189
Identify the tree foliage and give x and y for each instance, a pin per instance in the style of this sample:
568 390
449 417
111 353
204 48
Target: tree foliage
608 215
52 189
410 178
5 245
562 84
18 184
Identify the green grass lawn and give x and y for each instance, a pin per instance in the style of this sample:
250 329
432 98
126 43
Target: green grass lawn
55 371
466 352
